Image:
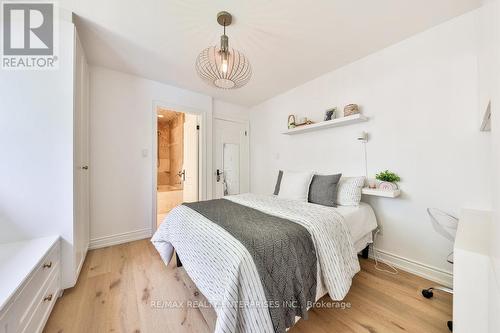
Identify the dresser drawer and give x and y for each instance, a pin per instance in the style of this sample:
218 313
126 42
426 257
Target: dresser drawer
43 305
29 298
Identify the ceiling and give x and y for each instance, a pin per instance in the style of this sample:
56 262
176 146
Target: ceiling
288 42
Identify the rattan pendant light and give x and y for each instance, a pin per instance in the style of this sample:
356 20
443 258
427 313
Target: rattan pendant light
222 66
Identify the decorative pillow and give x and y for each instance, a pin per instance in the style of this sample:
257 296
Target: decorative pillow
295 185
323 190
278 183
349 191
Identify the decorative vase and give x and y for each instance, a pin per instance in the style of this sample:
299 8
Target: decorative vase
388 186
351 109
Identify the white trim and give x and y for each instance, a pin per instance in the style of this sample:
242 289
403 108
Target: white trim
428 272
234 120
120 238
80 265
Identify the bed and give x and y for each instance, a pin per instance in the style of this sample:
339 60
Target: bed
361 222
233 275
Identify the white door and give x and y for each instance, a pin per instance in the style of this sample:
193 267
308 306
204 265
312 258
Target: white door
81 158
190 162
231 158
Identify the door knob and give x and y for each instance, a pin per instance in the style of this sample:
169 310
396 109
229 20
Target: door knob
219 173
85 167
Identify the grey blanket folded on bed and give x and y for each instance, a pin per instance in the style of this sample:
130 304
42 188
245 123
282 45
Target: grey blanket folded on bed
283 252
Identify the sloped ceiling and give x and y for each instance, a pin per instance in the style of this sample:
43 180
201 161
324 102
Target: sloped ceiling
288 42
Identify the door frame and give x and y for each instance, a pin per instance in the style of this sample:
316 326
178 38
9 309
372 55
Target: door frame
245 123
202 151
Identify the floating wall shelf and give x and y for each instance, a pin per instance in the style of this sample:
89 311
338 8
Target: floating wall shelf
355 118
381 193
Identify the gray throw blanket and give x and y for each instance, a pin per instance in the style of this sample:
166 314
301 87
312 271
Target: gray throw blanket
282 250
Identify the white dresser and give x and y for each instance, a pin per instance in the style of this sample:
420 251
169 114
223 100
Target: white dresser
30 282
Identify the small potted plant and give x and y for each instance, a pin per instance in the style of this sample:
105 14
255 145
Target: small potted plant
388 180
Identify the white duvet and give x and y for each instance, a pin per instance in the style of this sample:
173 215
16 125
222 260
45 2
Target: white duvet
224 270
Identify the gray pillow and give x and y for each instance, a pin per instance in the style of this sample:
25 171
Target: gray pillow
278 183
323 190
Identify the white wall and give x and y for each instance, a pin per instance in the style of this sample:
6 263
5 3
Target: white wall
421 98
36 145
230 111
489 90
121 129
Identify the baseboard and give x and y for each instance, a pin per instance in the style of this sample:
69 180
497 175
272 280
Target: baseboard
428 272
116 239
80 264
434 274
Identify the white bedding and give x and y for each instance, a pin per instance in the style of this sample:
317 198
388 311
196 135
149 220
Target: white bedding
361 221
224 270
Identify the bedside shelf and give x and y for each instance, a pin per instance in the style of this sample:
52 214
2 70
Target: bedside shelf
381 193
355 118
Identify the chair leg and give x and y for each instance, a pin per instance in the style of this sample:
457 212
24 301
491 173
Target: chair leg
429 292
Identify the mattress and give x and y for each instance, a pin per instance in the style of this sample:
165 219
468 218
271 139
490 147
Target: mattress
361 221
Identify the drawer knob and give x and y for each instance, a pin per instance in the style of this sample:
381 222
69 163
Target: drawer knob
47 298
47 265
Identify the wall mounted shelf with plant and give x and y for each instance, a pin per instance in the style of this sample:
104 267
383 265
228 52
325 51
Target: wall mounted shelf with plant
381 193
387 186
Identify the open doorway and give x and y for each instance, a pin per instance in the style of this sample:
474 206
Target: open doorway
177 167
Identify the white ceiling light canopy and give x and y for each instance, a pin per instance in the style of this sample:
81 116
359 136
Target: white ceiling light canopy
224 67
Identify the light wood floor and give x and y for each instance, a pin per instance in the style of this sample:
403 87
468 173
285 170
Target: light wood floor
118 284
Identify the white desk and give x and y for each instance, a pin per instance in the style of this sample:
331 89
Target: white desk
471 272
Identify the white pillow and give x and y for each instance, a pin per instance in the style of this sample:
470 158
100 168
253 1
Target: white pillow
349 191
295 185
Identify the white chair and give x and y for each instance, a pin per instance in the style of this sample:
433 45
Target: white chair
446 225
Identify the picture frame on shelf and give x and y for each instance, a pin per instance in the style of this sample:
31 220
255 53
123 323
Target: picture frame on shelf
330 114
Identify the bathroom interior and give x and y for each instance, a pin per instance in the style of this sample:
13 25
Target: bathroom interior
174 141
